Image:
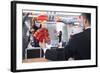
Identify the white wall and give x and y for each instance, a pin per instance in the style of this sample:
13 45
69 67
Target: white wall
5 36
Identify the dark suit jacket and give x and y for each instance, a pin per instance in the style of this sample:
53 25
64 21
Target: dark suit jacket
79 46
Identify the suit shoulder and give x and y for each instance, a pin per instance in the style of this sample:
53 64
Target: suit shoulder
77 35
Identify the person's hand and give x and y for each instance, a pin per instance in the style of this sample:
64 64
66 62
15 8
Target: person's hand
57 19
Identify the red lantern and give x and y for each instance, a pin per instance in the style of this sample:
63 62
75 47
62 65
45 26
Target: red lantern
42 18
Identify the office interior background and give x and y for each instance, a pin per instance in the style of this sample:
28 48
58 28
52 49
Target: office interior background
5 35
60 25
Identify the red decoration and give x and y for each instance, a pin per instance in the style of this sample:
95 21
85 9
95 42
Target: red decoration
42 34
42 18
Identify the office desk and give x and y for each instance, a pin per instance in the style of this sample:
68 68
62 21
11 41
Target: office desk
33 52
35 60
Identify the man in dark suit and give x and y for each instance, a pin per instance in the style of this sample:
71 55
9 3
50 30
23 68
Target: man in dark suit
79 46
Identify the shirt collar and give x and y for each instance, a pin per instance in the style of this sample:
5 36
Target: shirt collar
87 27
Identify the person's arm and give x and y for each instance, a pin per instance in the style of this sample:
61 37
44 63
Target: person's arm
65 21
69 50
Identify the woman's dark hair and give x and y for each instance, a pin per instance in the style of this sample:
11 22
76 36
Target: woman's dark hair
87 16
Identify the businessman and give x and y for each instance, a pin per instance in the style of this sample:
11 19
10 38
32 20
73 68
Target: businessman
79 46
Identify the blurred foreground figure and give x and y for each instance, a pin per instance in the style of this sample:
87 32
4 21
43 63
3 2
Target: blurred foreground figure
79 46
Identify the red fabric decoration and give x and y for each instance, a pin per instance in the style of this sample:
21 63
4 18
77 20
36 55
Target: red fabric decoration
42 34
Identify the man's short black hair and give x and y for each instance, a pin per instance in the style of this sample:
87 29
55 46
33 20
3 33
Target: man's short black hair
87 16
